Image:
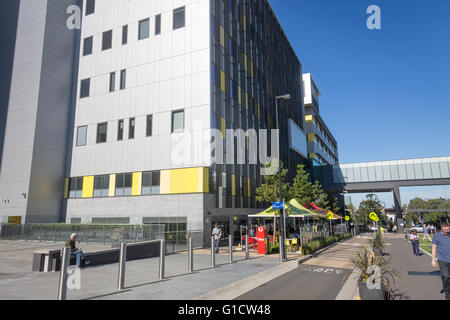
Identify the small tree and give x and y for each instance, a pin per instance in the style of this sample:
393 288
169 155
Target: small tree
269 191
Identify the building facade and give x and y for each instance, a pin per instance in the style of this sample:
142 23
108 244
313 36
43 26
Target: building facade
145 81
38 112
322 146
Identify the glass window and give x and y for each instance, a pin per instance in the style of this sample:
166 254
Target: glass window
131 128
76 188
87 46
124 35
81 136
158 24
144 29
102 129
149 125
179 18
107 40
101 186
120 130
178 121
90 7
112 82
123 79
151 182
123 184
85 88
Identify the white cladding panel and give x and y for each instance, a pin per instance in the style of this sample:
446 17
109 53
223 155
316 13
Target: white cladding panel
165 72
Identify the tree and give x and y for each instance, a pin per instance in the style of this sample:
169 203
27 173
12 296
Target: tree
305 192
269 191
366 207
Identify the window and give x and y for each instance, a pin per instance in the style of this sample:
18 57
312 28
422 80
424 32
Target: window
101 186
151 182
102 129
112 81
81 136
107 40
144 29
111 220
131 128
179 18
87 46
123 79
158 24
124 35
149 125
76 188
85 88
120 130
124 184
178 121
90 7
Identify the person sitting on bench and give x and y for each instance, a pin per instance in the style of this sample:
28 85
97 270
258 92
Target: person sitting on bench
76 252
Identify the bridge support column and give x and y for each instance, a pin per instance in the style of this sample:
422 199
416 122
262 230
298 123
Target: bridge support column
398 208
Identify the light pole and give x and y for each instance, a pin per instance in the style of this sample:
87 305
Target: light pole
283 222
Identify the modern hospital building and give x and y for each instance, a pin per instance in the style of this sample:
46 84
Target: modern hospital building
94 115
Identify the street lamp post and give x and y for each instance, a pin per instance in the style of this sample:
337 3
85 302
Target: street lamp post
283 222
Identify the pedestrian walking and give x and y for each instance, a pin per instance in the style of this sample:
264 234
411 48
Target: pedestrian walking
441 246
415 242
217 233
426 233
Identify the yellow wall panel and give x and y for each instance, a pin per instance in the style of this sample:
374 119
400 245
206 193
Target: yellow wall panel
66 188
311 137
203 180
112 185
233 185
246 100
222 36
239 95
165 182
312 155
184 181
309 118
249 188
223 127
88 187
137 184
222 80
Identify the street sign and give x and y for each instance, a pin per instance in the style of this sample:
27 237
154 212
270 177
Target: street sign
330 216
347 218
277 205
374 216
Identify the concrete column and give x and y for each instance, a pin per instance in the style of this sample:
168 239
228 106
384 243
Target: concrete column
398 207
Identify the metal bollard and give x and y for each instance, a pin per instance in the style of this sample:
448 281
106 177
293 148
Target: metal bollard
230 247
62 290
162 259
122 263
247 249
281 252
190 256
213 253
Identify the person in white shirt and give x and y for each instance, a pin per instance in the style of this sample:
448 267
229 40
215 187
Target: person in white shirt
217 233
415 242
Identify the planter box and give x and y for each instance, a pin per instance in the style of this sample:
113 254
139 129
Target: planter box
371 294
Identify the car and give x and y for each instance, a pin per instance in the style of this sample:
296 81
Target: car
418 228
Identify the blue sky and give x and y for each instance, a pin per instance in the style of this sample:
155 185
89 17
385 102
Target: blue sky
385 93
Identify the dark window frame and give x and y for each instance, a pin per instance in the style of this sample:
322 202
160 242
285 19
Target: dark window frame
107 45
149 129
98 133
131 128
78 135
89 45
120 130
83 83
140 30
175 11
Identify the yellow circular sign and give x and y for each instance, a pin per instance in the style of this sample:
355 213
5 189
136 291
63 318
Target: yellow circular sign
347 218
330 216
373 216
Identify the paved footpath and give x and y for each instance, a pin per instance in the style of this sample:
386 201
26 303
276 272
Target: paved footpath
420 280
320 278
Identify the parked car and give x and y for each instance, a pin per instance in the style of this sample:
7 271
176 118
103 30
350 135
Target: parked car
418 228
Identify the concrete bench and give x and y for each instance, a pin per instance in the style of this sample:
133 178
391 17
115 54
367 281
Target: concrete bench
50 260
46 260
